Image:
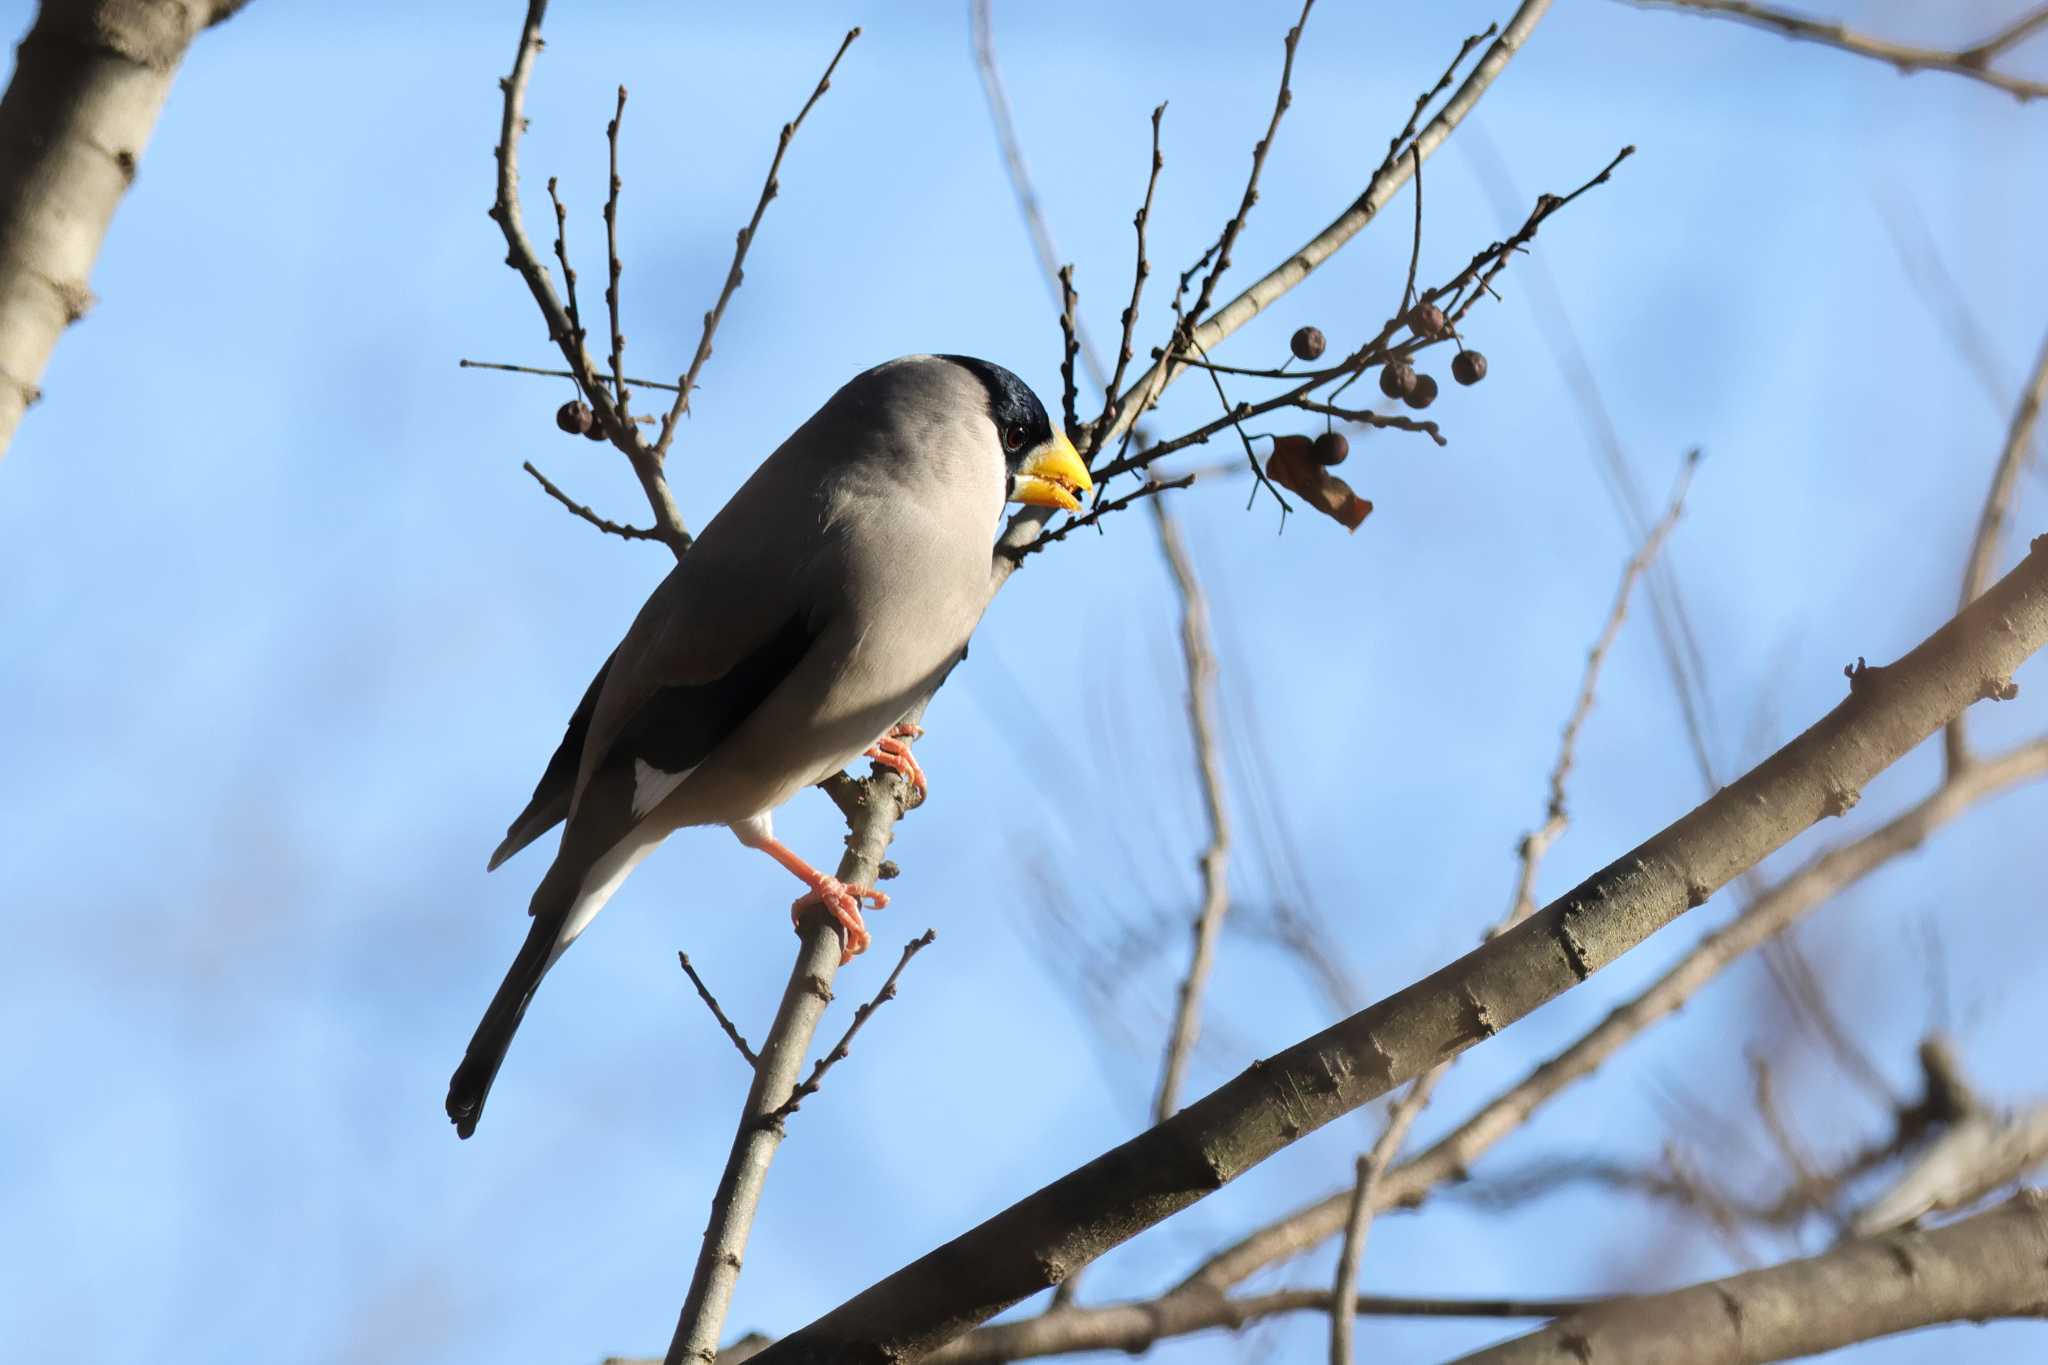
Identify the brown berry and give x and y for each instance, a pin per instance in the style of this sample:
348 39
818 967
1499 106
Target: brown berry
1330 448
1397 378
595 431
574 418
1468 367
1423 394
1307 343
1427 320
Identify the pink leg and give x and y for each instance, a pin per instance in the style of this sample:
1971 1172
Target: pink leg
840 900
892 751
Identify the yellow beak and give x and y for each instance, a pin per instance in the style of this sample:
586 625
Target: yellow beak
1053 476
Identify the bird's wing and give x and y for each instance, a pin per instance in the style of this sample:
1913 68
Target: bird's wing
549 805
730 622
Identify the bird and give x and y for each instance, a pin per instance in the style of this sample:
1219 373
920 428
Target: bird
816 612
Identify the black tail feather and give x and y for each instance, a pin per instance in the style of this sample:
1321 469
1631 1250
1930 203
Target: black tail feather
471 1083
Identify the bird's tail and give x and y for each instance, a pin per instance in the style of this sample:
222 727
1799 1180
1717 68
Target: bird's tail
472 1080
564 903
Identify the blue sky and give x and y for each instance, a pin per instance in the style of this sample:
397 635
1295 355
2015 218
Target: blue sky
288 635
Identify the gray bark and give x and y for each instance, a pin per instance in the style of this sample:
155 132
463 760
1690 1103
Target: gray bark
1050 1234
89 81
1994 1265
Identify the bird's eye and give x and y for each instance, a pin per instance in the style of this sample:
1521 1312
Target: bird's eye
1013 438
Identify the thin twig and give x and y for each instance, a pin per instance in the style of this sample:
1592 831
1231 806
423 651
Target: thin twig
1299 264
1139 273
612 263
1555 817
2005 477
1475 278
1973 61
556 374
610 528
860 1016
1150 488
1028 203
769 188
1068 345
562 255
567 336
1415 248
1198 657
711 1002
1371 1167
1281 101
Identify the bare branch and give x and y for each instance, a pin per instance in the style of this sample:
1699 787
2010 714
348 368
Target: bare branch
1053 1232
1231 229
613 266
1068 345
711 1002
1140 271
1136 1327
1028 202
1973 61
1199 659
1978 1150
840 1049
1825 877
1555 817
872 806
2019 444
1025 527
520 255
1151 488
1371 1167
610 528
557 374
769 189
1984 1267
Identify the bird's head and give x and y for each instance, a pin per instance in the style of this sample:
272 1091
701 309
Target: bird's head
1044 468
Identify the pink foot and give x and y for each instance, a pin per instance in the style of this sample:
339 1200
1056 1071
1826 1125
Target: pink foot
843 903
892 751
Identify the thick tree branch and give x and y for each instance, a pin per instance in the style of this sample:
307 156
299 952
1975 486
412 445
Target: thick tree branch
1372 1169
89 83
1134 1328
1973 61
1768 914
1994 1265
1049 1234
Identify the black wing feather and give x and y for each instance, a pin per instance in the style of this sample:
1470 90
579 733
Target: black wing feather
679 726
550 803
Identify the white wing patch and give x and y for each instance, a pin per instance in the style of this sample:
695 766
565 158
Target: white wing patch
651 785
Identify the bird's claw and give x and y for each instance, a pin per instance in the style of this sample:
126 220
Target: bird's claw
842 902
892 751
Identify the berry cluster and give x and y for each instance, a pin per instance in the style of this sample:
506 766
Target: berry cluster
1399 379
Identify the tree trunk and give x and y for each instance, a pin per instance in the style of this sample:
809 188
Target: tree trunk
89 81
